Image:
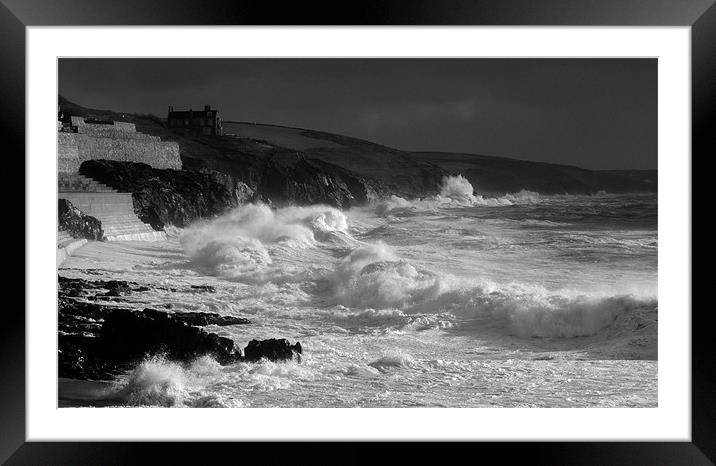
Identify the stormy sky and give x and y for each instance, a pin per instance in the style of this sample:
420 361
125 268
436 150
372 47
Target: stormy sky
592 113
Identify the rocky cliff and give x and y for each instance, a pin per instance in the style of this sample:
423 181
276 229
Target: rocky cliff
500 175
76 223
170 197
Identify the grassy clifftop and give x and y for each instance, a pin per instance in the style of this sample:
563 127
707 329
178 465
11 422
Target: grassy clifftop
418 173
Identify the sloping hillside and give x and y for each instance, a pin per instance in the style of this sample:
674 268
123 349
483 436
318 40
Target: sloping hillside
392 170
294 165
419 173
502 175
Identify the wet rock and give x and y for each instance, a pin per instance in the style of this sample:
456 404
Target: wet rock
99 341
209 318
78 287
118 286
77 360
128 334
74 292
273 349
79 350
76 223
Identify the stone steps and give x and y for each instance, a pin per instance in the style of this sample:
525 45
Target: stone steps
138 236
113 230
73 182
63 236
114 210
101 204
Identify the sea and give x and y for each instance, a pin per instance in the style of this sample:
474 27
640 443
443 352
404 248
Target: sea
451 300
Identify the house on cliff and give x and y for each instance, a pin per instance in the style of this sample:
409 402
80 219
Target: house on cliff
205 122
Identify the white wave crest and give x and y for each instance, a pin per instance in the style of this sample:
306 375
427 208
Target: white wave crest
239 245
393 360
455 191
157 381
394 205
373 277
523 196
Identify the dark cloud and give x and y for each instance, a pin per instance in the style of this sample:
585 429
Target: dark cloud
595 113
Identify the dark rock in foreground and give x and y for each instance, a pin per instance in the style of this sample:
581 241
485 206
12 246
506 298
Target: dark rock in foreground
76 223
273 350
74 287
209 318
129 334
99 342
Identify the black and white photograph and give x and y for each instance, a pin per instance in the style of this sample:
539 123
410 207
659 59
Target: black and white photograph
357 232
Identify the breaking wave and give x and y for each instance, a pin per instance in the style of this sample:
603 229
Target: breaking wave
241 244
373 277
393 360
455 191
255 244
157 381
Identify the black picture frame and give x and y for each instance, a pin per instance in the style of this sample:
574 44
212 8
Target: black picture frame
700 15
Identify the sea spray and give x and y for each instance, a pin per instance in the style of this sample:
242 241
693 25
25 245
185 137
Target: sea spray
240 244
455 191
373 277
157 381
393 360
557 295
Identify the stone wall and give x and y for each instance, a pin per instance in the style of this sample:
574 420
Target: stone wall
80 123
108 131
119 141
68 159
155 153
123 126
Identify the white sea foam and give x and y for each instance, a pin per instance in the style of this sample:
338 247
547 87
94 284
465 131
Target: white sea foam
455 191
471 302
157 381
240 245
373 277
393 360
